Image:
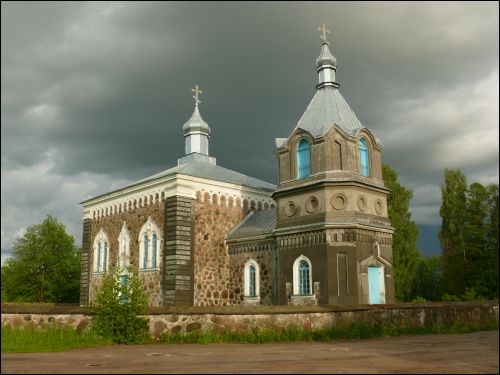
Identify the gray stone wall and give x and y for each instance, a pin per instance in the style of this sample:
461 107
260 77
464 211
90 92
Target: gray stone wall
246 318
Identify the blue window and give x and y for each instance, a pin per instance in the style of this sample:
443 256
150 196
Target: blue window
252 282
304 274
98 256
145 260
303 159
154 249
104 265
123 292
364 160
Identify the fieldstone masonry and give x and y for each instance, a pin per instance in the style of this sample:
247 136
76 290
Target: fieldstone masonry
245 319
134 217
213 283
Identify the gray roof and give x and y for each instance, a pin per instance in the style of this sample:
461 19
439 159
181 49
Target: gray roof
195 123
204 170
326 108
255 223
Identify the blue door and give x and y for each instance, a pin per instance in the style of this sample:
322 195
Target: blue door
374 287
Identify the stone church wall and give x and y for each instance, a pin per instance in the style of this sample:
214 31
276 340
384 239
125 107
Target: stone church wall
214 218
237 265
135 219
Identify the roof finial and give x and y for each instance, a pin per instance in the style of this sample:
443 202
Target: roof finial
324 30
197 91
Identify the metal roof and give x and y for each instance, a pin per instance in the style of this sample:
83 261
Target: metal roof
203 170
255 223
328 107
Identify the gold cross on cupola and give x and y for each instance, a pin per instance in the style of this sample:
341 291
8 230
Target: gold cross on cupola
324 30
196 91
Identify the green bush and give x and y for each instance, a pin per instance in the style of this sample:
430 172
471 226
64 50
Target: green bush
419 299
450 298
118 308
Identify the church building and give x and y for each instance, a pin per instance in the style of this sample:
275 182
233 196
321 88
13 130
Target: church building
203 235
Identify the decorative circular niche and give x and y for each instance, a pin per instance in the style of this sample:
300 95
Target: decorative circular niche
339 201
312 204
290 208
362 202
379 206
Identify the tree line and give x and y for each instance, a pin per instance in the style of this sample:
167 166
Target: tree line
46 263
467 269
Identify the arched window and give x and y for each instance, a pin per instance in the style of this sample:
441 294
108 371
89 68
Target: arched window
302 276
149 246
101 252
303 159
105 258
364 159
155 239
252 279
98 257
304 284
145 252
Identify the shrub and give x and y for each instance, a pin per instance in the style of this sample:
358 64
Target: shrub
118 307
450 298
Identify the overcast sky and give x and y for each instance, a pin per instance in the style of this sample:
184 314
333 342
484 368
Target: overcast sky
94 95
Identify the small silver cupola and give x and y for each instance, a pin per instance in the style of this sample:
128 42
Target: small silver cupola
196 135
326 64
196 130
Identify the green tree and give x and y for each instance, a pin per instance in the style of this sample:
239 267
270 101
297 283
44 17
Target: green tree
481 240
428 282
404 243
453 211
45 265
118 306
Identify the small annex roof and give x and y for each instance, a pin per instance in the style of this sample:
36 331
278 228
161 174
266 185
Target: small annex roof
328 107
202 170
255 223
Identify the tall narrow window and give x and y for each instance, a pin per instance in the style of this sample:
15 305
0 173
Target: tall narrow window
154 250
251 286
105 257
98 263
304 285
303 159
364 160
145 260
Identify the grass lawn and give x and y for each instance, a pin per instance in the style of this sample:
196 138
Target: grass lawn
51 339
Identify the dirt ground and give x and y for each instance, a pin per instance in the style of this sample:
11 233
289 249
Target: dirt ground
460 353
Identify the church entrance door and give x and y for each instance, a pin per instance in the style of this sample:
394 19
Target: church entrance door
376 284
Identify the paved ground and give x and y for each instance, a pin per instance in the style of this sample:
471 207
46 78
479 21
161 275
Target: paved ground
466 353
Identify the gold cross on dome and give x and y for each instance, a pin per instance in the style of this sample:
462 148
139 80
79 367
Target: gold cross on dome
324 30
197 91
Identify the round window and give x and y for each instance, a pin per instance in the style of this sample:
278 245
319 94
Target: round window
338 201
362 202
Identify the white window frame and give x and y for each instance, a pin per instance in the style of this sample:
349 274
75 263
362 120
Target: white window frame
246 279
148 229
296 287
101 238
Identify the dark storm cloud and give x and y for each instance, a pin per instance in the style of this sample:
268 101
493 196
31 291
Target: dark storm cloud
94 95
